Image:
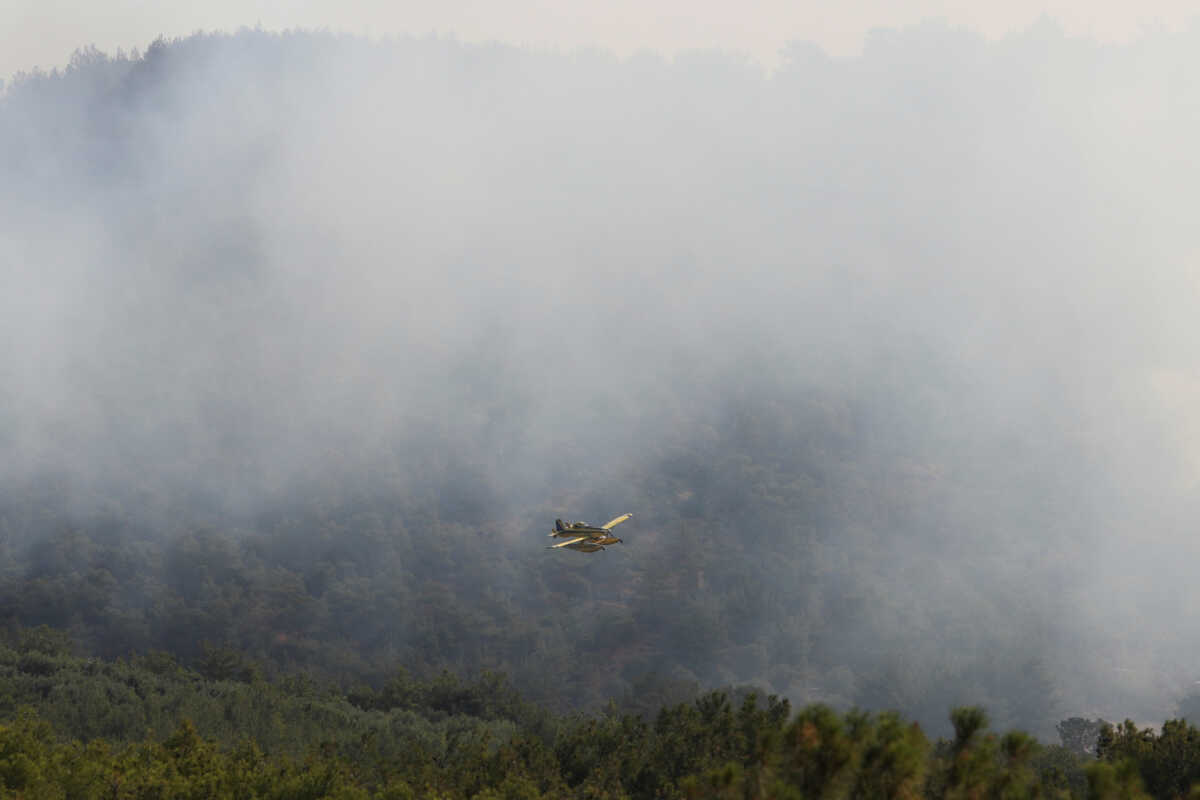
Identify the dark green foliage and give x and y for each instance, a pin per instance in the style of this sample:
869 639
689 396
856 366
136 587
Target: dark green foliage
125 701
1167 762
967 722
151 728
894 759
42 639
1061 771
1115 782
226 664
184 765
322 747
821 752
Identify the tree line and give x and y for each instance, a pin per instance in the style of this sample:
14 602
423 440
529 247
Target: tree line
149 727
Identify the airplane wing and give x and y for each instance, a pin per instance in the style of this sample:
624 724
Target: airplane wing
612 523
567 542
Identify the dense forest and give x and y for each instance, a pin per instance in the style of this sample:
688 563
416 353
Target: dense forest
149 727
306 340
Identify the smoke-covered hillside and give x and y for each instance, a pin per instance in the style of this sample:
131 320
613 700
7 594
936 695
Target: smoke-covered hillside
306 340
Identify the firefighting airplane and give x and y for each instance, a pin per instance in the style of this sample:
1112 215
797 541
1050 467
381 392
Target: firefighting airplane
586 538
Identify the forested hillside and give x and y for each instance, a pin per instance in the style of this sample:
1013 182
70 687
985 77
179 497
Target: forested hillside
148 728
306 340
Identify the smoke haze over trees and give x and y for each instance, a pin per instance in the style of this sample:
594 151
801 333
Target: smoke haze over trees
306 340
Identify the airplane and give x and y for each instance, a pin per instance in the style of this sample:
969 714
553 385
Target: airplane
586 538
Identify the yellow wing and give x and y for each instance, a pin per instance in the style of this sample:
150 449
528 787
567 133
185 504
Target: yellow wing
615 522
569 541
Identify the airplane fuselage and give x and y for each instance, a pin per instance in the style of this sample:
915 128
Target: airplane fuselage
580 529
586 538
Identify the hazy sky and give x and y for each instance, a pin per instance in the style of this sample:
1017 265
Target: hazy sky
45 32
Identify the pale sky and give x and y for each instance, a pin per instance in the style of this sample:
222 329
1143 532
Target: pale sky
43 33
